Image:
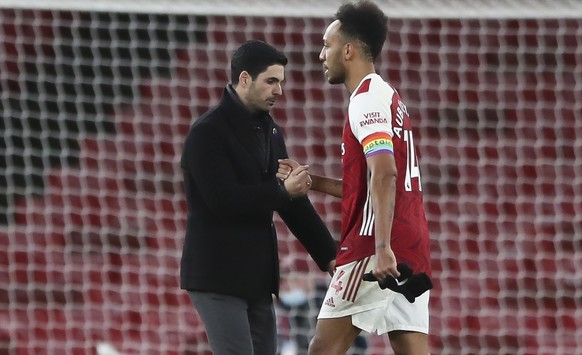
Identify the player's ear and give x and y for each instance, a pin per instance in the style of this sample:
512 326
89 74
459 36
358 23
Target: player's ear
349 50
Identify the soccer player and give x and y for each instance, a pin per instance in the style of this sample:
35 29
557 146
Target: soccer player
383 219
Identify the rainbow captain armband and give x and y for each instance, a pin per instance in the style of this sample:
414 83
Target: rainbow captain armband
377 143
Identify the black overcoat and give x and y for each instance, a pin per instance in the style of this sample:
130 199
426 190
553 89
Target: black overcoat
230 245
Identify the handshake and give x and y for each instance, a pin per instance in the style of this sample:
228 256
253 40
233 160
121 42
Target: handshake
295 177
409 284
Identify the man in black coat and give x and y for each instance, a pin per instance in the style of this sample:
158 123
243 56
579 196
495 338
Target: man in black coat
230 264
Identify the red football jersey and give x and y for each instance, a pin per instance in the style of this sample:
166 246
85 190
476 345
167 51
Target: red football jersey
378 123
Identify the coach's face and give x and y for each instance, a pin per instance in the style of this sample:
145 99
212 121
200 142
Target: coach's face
265 89
332 54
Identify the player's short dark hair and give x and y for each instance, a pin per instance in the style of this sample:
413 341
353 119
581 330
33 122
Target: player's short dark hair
364 21
255 57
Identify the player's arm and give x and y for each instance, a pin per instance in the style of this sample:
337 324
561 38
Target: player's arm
323 184
383 175
375 136
326 185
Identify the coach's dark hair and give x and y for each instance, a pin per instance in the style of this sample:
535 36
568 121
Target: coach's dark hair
364 21
254 57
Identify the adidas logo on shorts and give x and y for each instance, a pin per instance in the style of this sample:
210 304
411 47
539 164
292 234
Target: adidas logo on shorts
329 302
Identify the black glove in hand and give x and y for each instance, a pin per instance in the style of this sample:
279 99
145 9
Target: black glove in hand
409 284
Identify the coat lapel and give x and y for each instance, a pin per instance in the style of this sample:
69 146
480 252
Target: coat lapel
239 120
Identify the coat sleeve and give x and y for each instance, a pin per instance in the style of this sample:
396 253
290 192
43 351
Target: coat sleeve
209 162
303 221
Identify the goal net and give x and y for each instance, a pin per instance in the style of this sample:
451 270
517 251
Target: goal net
97 96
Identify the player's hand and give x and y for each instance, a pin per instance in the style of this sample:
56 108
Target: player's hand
298 182
385 263
286 166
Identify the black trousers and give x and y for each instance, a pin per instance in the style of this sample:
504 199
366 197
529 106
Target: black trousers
236 326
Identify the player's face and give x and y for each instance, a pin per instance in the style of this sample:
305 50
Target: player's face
331 54
266 88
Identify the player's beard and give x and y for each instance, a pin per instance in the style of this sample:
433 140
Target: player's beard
336 76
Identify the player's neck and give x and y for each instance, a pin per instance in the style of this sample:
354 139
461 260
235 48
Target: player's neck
357 74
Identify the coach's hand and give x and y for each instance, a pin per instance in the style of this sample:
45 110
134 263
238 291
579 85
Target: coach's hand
286 166
331 268
298 181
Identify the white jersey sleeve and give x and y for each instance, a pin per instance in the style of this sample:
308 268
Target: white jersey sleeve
370 116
